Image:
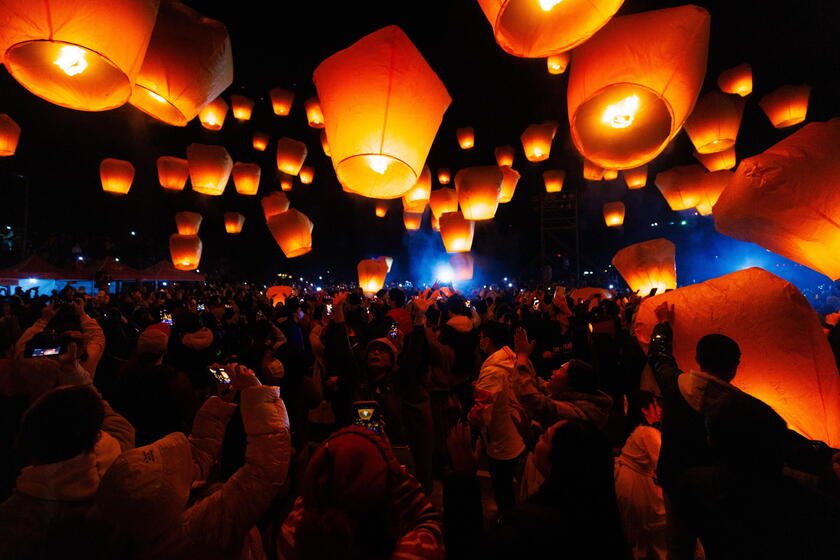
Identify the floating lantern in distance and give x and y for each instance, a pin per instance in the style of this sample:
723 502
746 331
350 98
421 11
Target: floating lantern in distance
260 141
243 106
435 223
710 188
717 161
381 209
614 214
418 195
444 175
443 200
738 79
456 232
557 63
290 155
536 140
553 179
466 137
314 115
383 105
648 265
680 186
246 178
786 106
592 172
213 115
478 191
610 174
389 261
462 265
185 251
292 230
635 178
325 145
273 204
173 172
286 183
9 136
210 168
714 122
510 177
79 55
504 156
412 220
626 104
372 275
188 223
116 175
306 174
234 222
281 101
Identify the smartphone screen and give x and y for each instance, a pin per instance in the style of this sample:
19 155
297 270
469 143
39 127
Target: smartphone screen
329 309
166 318
200 307
219 374
366 414
48 351
393 331
536 304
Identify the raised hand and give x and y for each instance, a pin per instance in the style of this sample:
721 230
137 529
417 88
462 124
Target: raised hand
664 313
521 345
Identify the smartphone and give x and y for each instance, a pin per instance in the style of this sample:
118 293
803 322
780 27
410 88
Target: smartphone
166 318
44 352
200 307
329 309
366 414
653 292
536 304
467 303
219 374
393 331
260 315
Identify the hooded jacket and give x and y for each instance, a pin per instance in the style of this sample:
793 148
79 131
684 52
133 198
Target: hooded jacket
496 405
94 347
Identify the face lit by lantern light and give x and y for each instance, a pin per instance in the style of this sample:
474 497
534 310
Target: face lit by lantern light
71 59
621 114
548 5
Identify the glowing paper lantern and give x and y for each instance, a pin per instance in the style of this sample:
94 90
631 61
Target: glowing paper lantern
557 63
173 172
273 204
633 84
786 360
504 156
553 179
610 174
714 123
591 171
463 266
306 174
383 105
444 176
635 178
614 214
81 55
412 220
286 183
279 294
466 137
456 232
242 107
786 106
210 168
246 178
442 201
185 251
234 222
389 261
711 185
737 80
290 155
212 116
381 210
786 199
510 177
719 160
116 175
418 195
188 63
9 136
188 223
281 101
536 140
478 191
260 141
314 115
372 275
293 232
648 265
680 186
537 29
325 145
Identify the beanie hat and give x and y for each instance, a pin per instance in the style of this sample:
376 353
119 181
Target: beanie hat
389 346
153 340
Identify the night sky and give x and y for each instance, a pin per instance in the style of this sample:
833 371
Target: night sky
281 43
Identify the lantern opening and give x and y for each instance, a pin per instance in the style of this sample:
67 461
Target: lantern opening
384 175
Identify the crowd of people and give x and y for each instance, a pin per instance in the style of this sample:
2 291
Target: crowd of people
211 421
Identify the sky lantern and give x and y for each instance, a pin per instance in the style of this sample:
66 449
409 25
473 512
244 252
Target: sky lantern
279 294
290 155
738 80
680 186
188 223
714 122
444 175
443 200
306 174
466 137
173 172
383 105
242 106
610 174
116 175
635 178
614 213
389 261
372 275
325 145
478 191
786 360
185 251
314 114
557 63
275 203
286 182
553 179
188 64
787 201
260 141
633 84
786 106
381 210
504 155
420 192
510 177
592 171
293 232
648 265
536 140
718 160
9 135
234 222
246 178
412 220
711 185
212 116
281 101
462 265
540 28
82 55
210 168
456 232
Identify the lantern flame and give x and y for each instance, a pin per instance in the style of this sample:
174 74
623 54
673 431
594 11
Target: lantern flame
548 5
621 114
379 163
71 59
156 97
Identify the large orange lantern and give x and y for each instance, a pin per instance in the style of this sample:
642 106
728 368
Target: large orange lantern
185 251
633 85
786 199
504 156
592 172
719 160
412 220
281 101
610 174
537 29
681 185
325 145
648 265
314 114
463 266
83 55
234 222
246 178
290 155
786 360
456 232
536 140
372 275
188 223
210 168
738 80
188 63
553 179
443 200
242 106
466 137
173 172
444 175
212 116
306 174
418 195
510 177
635 178
260 140
478 191
786 106
711 185
614 214
557 63
383 105
381 210
292 230
116 175
273 204
714 122
9 136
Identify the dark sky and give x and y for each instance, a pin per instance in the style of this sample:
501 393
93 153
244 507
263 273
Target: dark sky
281 43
